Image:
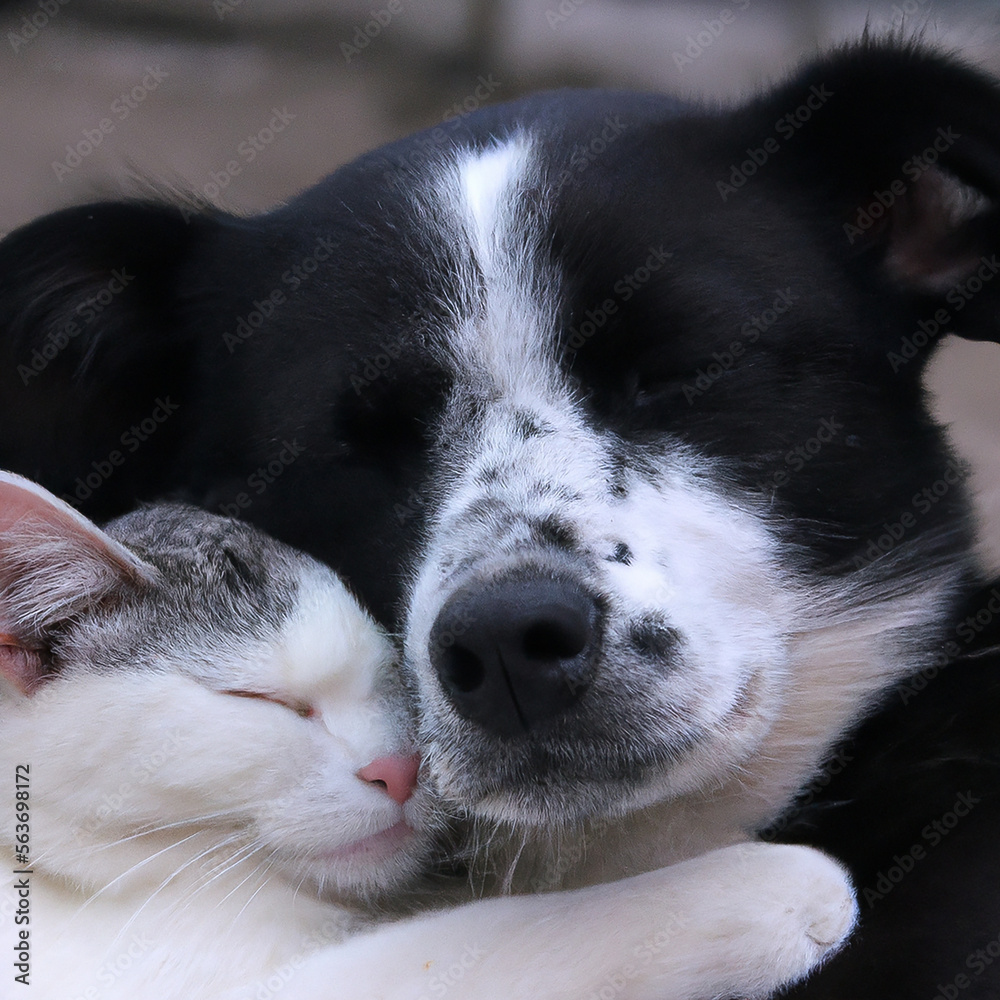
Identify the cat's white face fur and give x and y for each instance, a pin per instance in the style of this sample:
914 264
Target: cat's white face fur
185 690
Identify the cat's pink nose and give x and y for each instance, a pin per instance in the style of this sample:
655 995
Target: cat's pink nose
397 776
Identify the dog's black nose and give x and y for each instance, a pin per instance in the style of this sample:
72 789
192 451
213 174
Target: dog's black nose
514 654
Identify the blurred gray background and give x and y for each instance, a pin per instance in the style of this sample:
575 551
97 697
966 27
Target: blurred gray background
191 86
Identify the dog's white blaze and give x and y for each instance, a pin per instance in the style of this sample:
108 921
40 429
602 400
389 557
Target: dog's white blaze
505 341
488 181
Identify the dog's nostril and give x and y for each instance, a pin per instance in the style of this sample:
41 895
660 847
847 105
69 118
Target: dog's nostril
462 669
513 654
553 641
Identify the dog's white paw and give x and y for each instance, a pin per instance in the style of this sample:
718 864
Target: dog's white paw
792 908
752 918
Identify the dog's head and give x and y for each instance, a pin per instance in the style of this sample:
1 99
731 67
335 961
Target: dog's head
611 407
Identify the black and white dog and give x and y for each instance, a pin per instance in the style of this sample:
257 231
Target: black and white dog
611 408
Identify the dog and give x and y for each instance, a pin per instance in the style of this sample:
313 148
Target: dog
610 407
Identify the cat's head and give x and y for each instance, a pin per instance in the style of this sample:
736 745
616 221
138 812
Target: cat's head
181 680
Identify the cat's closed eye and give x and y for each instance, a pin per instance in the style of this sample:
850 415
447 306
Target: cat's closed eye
298 707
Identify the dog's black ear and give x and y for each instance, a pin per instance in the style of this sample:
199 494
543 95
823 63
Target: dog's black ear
898 148
93 349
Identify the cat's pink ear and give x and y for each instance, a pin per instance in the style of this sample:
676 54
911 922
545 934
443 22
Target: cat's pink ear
54 565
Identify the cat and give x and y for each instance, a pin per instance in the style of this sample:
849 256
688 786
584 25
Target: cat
212 792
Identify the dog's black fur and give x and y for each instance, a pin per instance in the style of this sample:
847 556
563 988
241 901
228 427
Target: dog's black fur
339 380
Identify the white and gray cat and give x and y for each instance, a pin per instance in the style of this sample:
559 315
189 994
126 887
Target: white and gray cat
208 772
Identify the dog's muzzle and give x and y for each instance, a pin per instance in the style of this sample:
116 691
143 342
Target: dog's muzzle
513 654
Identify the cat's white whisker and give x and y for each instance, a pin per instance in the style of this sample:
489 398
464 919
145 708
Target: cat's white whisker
141 864
148 831
239 857
213 847
267 865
